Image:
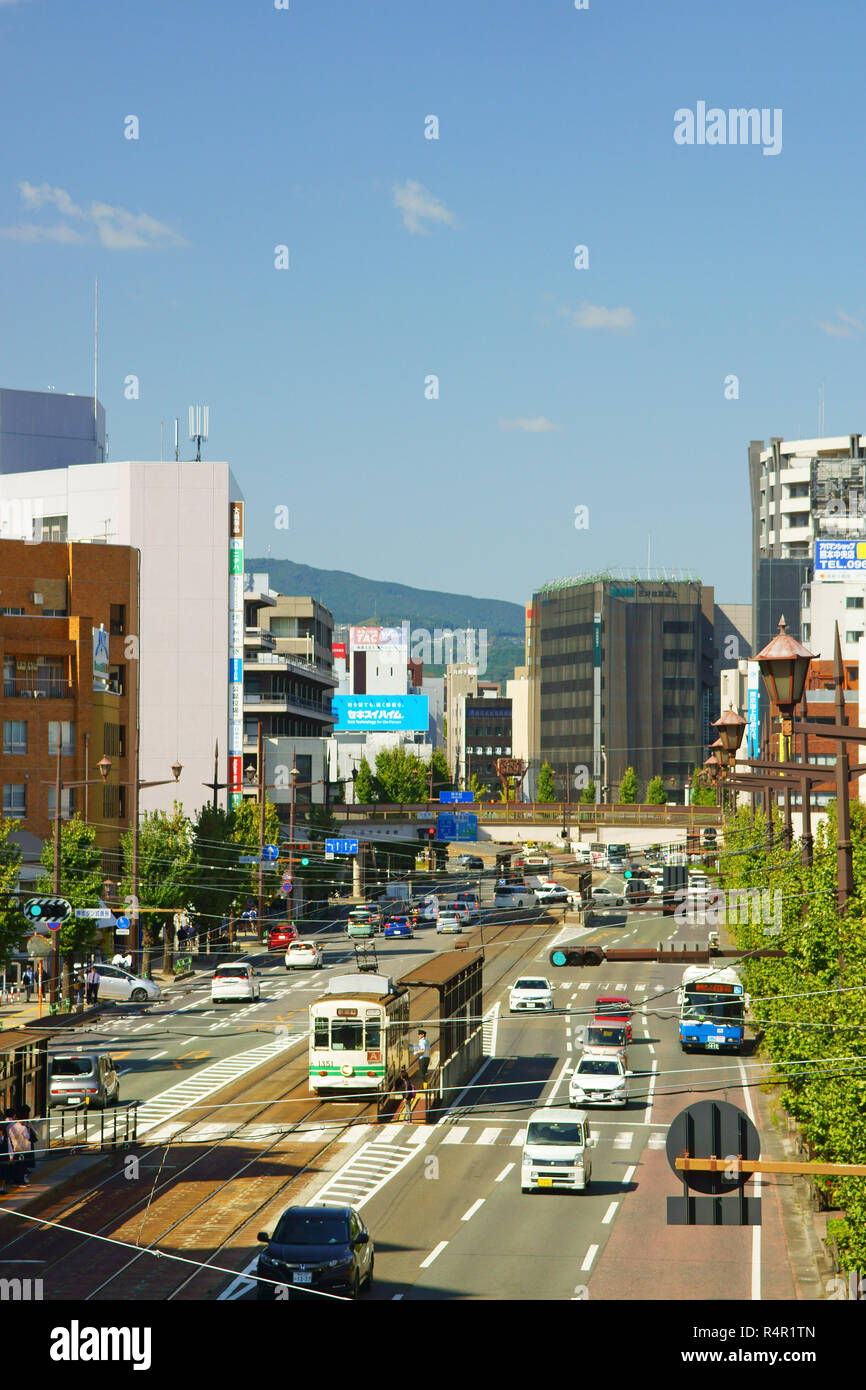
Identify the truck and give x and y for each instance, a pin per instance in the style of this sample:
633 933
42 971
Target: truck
394 893
536 868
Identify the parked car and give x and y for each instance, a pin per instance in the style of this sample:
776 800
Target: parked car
473 861
117 984
304 955
556 1151
471 905
598 1080
327 1248
513 896
448 922
398 926
234 982
615 1009
555 893
281 936
82 1078
607 897
531 992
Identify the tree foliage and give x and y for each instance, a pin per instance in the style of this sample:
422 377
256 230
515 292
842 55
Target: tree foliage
364 791
701 793
655 792
12 925
628 788
81 883
401 777
165 870
546 789
587 796
814 1032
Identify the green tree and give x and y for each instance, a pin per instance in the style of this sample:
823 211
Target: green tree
701 793
546 790
478 789
165 870
364 789
81 883
319 877
12 925
628 788
655 792
217 879
401 776
442 779
587 796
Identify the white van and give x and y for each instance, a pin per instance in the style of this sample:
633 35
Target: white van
556 1150
514 896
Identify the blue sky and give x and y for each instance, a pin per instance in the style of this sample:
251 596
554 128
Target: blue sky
558 388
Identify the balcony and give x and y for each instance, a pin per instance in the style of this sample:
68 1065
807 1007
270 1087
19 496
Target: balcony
36 688
259 637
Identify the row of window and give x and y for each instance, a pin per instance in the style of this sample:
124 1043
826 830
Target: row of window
505 751
15 802
61 733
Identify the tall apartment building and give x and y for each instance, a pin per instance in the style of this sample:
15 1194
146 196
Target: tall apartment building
183 518
69 683
622 676
486 736
461 680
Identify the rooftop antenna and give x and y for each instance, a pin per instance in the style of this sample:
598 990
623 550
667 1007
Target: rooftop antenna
176 445
95 352
198 427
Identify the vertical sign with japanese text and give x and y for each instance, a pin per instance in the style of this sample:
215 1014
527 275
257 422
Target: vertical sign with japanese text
236 651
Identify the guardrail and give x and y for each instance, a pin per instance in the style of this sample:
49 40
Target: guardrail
112 1128
554 812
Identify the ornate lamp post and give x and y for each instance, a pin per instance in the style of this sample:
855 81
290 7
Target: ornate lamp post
59 787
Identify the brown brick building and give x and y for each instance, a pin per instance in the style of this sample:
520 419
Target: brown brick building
63 686
820 698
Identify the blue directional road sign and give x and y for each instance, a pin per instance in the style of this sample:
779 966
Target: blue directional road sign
456 825
270 852
456 796
341 846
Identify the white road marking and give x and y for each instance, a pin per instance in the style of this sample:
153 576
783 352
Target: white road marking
488 1136
433 1253
628 1174
657 1141
504 1174
589 1257
623 1140
584 985
651 1048
472 1210
456 1135
518 1140
196 1088
651 1093
156 1055
609 1214
558 1082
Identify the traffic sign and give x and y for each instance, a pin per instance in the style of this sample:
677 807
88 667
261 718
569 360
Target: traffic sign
45 909
341 846
456 797
55 925
456 825
123 924
270 852
94 914
249 859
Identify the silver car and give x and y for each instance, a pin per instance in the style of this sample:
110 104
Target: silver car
119 985
83 1078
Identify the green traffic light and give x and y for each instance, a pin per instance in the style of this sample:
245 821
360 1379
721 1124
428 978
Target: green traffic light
305 861
627 873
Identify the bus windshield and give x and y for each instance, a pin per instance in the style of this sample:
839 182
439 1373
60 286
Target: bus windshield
720 1008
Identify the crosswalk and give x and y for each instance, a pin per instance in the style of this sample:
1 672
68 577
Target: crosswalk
176 1099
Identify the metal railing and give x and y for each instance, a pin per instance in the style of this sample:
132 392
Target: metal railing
87 1128
540 812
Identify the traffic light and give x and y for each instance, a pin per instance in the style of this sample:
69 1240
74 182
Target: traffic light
305 861
628 873
47 909
577 955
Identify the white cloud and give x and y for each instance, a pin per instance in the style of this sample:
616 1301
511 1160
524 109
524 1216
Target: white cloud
114 227
536 425
597 316
846 329
419 206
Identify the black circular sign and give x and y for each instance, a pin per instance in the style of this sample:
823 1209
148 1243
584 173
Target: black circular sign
713 1129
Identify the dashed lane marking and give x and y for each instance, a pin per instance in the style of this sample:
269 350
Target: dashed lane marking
433 1254
504 1174
467 1215
589 1257
609 1214
628 1175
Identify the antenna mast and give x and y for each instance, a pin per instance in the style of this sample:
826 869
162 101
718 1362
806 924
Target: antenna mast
198 427
95 353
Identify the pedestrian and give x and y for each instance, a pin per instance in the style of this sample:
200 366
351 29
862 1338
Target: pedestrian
27 980
20 1148
23 1116
92 984
404 1084
422 1052
7 1168
118 958
79 984
127 961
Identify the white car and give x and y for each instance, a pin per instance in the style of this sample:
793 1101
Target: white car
556 1151
470 904
515 896
448 921
599 1079
607 897
234 982
304 955
531 992
658 885
119 985
554 893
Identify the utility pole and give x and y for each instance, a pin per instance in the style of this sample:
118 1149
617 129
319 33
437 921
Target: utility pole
260 896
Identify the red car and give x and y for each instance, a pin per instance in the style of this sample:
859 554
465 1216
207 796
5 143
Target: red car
279 937
613 1010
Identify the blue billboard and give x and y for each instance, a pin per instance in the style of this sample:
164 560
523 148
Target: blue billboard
840 557
457 796
374 712
456 825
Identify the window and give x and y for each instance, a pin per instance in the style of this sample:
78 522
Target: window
55 613
113 803
117 679
854 602
12 612
14 801
114 740
61 730
67 803
14 736
117 620
853 636
54 528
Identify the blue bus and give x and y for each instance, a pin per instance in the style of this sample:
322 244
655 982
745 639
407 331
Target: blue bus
712 1010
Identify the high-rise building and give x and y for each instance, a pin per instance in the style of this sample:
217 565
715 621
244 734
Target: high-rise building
49 429
622 671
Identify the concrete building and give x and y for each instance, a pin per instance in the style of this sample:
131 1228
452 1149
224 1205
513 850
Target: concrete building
461 680
69 683
485 736
178 516
623 672
49 429
518 691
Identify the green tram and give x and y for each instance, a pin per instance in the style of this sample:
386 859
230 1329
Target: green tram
359 1036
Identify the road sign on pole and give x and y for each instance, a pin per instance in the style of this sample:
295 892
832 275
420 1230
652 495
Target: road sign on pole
270 852
341 846
94 914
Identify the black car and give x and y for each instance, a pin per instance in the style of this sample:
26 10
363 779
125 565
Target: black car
473 861
324 1248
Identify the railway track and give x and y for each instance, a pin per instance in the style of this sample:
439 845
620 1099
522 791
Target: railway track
107 1242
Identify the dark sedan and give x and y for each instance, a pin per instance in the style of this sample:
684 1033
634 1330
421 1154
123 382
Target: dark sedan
316 1248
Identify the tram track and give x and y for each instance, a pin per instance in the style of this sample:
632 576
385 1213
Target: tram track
188 1205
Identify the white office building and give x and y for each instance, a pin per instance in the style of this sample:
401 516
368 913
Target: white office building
178 516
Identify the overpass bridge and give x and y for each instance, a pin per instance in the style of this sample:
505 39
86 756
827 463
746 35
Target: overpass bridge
501 822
